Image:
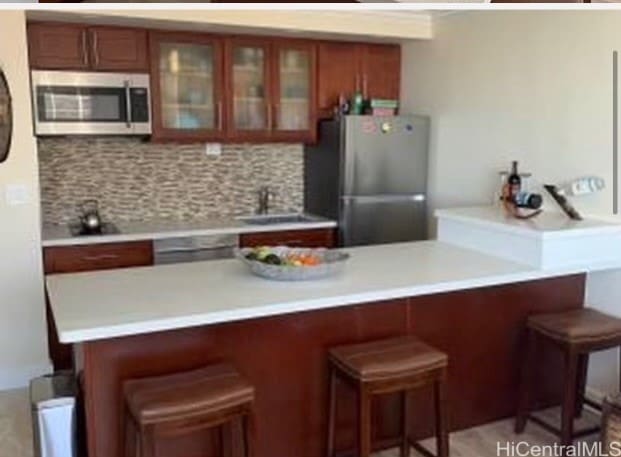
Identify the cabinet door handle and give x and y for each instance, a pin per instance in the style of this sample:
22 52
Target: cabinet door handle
365 87
94 46
276 109
94 258
269 116
84 48
220 116
128 104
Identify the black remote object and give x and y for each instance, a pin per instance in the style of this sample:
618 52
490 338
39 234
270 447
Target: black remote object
563 202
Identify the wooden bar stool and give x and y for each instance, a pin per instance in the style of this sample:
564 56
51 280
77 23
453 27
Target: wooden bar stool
182 403
576 333
385 366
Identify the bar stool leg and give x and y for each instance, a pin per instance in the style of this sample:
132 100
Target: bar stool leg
147 443
249 435
227 438
442 438
331 412
583 366
364 433
526 382
569 397
131 445
405 427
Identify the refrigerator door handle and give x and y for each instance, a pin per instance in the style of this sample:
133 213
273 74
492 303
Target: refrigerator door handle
420 197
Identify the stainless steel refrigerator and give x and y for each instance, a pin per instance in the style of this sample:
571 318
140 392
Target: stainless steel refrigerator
370 174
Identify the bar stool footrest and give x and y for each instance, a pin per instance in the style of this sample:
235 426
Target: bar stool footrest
554 430
421 450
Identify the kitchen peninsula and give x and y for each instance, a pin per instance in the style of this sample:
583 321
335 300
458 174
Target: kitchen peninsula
154 320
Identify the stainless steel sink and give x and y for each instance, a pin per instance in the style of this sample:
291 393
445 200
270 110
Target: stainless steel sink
269 219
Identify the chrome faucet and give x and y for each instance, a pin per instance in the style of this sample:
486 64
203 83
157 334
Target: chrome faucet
264 194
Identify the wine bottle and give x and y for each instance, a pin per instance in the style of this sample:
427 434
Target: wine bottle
514 181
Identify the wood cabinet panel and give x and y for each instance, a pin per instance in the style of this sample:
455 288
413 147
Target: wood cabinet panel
338 73
118 49
381 71
313 238
58 46
104 256
345 68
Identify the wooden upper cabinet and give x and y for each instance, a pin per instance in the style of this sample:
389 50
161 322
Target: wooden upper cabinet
339 73
250 109
294 91
346 68
117 49
270 89
55 46
187 86
58 46
381 70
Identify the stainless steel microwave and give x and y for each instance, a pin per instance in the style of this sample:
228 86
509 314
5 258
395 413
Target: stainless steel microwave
81 103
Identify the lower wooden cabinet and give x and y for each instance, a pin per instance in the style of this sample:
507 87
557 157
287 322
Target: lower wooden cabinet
91 257
78 258
313 238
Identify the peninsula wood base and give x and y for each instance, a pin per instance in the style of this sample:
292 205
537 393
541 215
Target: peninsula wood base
285 358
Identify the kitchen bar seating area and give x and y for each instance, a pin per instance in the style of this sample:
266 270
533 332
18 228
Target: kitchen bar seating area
309 233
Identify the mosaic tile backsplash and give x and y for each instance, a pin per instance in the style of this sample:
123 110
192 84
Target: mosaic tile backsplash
135 180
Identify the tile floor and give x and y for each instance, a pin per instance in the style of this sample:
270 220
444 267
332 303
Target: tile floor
16 433
15 428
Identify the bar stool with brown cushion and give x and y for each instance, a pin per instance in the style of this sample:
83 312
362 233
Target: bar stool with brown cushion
181 403
576 333
391 365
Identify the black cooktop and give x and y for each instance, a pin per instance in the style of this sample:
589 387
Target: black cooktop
107 228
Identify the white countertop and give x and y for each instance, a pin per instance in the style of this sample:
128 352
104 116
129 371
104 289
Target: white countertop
549 224
59 235
107 304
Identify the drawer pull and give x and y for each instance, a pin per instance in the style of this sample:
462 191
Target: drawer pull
92 258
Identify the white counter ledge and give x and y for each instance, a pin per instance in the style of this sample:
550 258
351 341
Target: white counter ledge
107 304
58 235
549 241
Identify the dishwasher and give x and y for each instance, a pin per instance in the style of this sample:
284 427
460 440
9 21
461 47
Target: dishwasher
194 248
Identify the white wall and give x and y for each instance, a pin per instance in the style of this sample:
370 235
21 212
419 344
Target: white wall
535 86
23 351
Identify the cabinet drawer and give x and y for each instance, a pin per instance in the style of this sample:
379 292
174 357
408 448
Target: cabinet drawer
67 259
314 238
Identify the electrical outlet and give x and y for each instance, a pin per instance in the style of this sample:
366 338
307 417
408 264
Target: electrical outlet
17 194
213 149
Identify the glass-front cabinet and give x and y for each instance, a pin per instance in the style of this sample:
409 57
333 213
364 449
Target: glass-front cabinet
250 107
187 86
273 89
294 107
208 88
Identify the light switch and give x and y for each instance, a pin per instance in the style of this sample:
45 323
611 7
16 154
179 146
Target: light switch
213 149
17 194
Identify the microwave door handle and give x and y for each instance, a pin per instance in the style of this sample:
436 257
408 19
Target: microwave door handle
128 106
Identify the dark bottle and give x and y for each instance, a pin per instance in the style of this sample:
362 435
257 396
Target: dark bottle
514 181
528 200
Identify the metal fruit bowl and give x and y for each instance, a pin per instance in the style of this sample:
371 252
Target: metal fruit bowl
332 263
